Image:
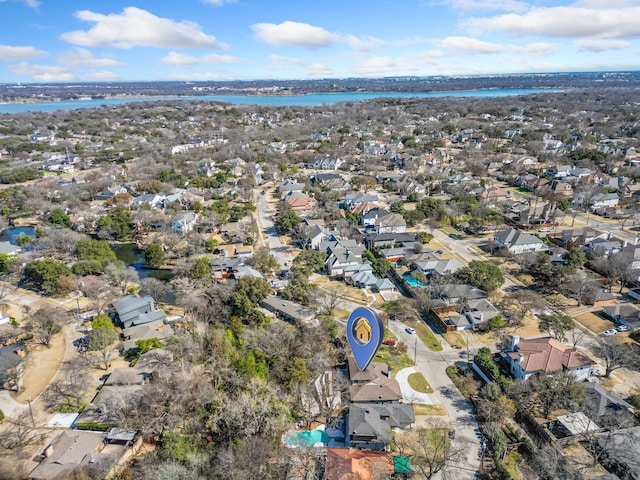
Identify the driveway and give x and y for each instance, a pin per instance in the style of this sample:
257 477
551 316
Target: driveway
10 407
409 395
461 415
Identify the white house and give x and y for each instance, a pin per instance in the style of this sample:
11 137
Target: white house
529 356
392 223
518 242
604 200
183 222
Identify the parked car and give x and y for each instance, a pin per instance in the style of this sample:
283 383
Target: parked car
410 330
622 328
393 316
389 341
611 331
544 230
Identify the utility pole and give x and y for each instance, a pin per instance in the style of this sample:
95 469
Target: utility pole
415 352
33 422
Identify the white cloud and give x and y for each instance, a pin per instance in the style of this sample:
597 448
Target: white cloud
281 62
83 57
42 73
103 76
565 21
469 45
414 40
294 33
539 48
137 27
218 3
376 65
309 36
28 3
175 58
10 53
600 45
363 43
502 5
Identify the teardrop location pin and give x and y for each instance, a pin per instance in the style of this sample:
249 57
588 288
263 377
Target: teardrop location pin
365 333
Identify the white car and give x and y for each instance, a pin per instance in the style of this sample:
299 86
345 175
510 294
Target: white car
544 230
410 330
622 328
611 331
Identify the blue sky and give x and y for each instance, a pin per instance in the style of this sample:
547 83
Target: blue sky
113 40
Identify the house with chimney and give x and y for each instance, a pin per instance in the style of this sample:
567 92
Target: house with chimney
529 356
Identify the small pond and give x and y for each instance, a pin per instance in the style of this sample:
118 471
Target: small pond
132 256
12 234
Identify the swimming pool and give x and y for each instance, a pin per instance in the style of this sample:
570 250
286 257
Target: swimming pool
307 438
412 282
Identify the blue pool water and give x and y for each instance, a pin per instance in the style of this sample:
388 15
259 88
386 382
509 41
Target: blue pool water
12 234
307 438
412 282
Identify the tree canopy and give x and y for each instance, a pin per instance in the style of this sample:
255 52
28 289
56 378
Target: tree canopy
556 324
483 275
154 255
58 217
46 274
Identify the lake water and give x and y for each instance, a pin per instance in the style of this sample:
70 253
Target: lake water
310 100
12 234
131 256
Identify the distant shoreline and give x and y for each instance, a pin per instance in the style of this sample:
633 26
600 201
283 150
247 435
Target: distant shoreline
242 93
277 99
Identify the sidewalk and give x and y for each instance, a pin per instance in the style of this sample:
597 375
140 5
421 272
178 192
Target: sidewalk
409 395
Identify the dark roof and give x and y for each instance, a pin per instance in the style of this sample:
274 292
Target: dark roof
365 421
602 401
9 359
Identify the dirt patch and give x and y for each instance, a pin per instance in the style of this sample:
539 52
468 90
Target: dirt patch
40 367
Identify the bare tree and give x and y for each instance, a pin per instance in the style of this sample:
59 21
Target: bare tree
122 276
103 347
67 391
579 285
329 298
615 354
19 432
153 287
45 324
99 292
430 449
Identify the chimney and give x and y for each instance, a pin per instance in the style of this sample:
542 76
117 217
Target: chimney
609 236
624 244
514 341
635 240
48 451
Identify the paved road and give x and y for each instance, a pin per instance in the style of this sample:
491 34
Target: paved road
468 250
432 365
268 231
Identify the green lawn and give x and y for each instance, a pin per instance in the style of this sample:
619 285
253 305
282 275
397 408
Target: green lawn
419 383
511 462
396 358
428 338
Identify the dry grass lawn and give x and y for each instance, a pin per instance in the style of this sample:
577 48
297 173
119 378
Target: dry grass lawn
594 323
40 367
426 410
351 293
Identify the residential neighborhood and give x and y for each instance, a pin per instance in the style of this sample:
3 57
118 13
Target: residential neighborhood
177 279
